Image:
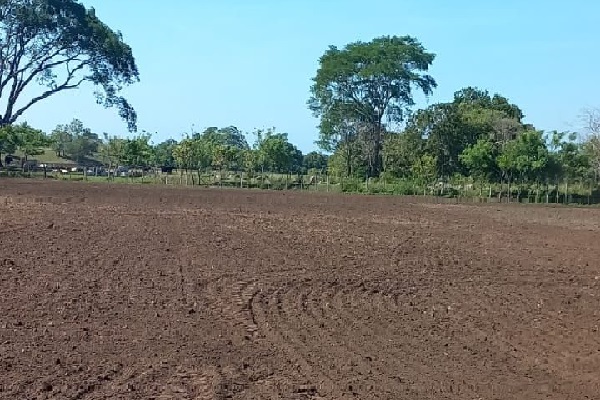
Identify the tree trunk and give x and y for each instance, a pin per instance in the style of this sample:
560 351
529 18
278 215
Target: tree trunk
348 159
377 150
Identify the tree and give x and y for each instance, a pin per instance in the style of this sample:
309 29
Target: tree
400 153
525 157
193 154
314 160
225 156
184 154
474 96
163 153
111 151
450 128
365 82
8 141
228 136
423 170
276 153
30 141
74 141
60 137
572 160
445 134
481 160
137 151
591 120
348 160
60 44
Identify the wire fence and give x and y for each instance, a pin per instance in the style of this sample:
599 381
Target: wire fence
446 193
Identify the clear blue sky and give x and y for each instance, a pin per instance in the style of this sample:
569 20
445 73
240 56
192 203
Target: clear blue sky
249 63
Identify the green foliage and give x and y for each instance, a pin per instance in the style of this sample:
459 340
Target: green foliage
60 45
136 152
424 169
526 157
28 140
8 140
111 150
481 160
229 136
449 129
275 153
74 141
346 161
315 160
163 153
481 99
358 92
400 152
359 85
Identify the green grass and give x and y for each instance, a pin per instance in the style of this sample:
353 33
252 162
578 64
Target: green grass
49 157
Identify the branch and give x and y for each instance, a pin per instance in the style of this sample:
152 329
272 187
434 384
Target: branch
64 86
14 38
41 68
45 49
13 73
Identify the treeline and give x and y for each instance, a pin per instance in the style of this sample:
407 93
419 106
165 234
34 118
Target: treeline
476 138
370 135
215 148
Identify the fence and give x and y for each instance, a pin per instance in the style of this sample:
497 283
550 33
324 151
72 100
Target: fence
411 191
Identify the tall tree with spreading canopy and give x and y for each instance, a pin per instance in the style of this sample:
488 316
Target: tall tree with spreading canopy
60 45
367 82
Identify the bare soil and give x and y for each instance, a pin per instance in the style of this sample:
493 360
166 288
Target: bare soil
140 292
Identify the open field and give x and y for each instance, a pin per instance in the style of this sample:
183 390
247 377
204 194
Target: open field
138 292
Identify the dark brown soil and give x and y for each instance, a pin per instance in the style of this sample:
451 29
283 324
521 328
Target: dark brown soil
135 292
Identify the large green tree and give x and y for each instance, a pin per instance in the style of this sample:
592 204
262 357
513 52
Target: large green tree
367 82
448 129
60 45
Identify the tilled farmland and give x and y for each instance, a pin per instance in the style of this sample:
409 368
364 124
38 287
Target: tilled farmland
143 292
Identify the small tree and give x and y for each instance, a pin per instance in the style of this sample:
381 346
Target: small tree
29 141
8 141
481 160
525 157
74 141
424 170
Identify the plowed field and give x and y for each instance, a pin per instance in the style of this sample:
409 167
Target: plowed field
140 292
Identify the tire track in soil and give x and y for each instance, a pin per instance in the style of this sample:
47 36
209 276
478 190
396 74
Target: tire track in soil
361 308
311 380
324 297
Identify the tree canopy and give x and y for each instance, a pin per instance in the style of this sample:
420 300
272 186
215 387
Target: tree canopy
365 82
360 94
59 45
